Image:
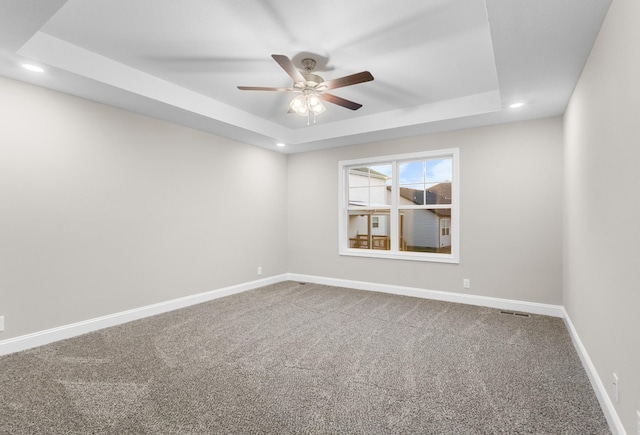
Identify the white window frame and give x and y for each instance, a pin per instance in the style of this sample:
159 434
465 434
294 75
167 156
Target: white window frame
394 252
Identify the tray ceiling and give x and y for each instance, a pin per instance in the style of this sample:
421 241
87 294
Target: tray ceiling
438 64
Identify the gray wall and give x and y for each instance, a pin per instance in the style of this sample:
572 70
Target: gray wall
103 210
511 214
602 214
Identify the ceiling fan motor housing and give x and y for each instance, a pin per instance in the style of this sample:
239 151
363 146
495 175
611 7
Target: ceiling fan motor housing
309 64
313 79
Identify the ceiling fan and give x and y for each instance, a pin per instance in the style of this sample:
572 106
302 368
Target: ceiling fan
312 88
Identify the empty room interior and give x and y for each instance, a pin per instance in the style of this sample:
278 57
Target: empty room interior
319 217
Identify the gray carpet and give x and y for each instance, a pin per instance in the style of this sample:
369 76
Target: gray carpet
293 358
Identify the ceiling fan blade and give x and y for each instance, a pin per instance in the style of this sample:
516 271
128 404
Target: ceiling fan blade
340 101
289 68
353 79
263 88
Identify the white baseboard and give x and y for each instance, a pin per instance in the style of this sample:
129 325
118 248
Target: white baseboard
598 387
72 330
40 338
482 301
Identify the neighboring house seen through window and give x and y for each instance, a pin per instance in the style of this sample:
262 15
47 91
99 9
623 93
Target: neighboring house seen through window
403 206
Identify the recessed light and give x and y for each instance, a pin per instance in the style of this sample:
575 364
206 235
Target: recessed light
281 145
33 68
516 105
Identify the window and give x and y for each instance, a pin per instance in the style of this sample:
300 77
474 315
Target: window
402 207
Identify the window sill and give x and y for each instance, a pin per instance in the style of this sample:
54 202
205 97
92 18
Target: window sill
410 256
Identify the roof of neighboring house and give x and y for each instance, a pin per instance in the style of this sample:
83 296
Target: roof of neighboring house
436 194
442 191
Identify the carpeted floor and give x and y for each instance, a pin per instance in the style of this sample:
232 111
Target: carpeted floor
295 358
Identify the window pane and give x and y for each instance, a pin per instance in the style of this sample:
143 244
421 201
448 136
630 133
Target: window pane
412 194
439 170
370 185
380 195
438 193
382 170
369 229
425 230
358 196
411 172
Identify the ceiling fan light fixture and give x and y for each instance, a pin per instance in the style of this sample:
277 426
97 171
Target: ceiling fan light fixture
299 105
307 103
317 108
297 102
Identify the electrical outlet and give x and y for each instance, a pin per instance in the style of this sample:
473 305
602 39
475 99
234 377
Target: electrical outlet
1 323
466 283
259 270
615 388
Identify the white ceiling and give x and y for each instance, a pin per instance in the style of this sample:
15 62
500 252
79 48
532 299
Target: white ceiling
438 64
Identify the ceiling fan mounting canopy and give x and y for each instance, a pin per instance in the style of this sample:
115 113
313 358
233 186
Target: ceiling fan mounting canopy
308 63
313 87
